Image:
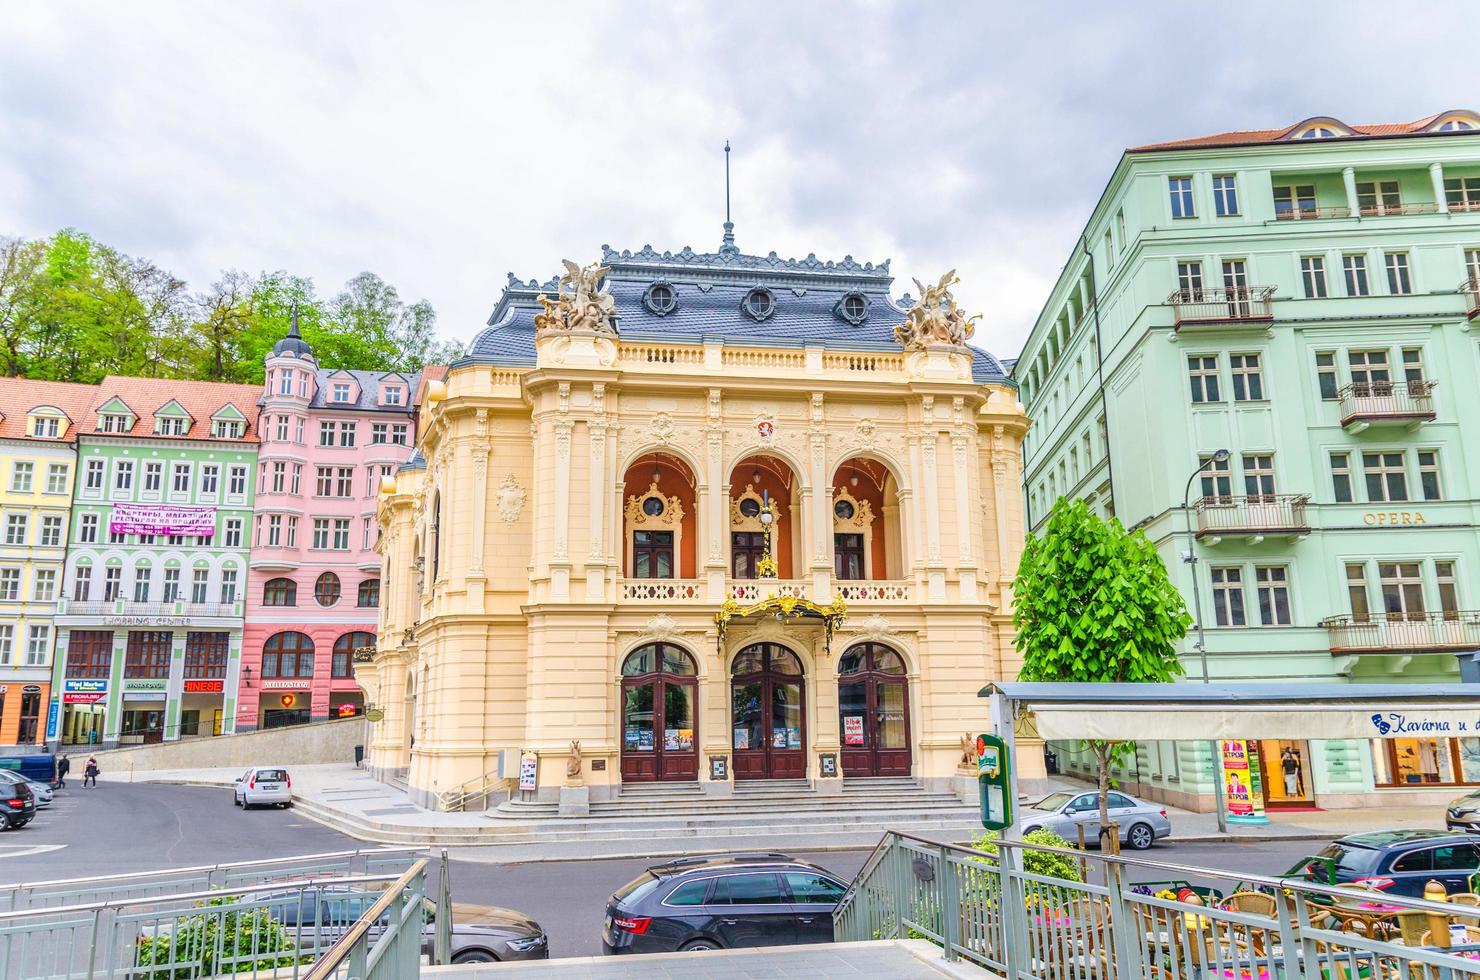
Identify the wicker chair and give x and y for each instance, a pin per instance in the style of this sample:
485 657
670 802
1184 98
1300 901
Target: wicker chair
1252 903
1464 898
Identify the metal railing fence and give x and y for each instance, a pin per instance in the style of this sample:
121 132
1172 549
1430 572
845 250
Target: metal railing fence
986 908
173 881
276 929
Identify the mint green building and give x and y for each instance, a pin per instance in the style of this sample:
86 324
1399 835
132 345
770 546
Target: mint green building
149 623
1304 298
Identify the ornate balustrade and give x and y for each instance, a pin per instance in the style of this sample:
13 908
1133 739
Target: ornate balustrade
659 589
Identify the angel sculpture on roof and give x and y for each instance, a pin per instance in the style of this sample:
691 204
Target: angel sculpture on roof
580 302
936 320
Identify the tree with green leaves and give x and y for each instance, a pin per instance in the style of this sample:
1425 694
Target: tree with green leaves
1093 602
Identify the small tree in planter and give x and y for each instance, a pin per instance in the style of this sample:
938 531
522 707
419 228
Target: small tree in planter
249 940
1092 602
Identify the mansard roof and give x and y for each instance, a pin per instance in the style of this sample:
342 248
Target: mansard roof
143 398
710 289
367 398
20 397
1327 127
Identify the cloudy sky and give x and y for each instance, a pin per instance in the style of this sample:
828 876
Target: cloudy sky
443 144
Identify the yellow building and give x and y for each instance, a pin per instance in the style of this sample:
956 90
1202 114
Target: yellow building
37 465
715 517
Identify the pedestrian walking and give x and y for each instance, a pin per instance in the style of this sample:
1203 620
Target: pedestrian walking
90 773
64 766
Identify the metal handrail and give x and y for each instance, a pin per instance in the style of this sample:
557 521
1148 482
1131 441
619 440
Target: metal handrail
260 862
266 886
1222 304
987 908
1472 288
348 943
1307 214
460 794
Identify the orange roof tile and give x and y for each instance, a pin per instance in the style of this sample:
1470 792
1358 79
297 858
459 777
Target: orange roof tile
202 399
19 395
1251 137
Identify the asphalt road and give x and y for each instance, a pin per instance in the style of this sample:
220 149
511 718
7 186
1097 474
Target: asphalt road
121 827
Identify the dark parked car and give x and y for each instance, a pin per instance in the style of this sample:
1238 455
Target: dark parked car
18 803
766 899
1398 862
480 933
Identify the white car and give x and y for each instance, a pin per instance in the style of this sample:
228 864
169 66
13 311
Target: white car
41 791
264 786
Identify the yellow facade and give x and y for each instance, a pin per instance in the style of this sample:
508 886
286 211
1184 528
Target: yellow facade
37 467
516 585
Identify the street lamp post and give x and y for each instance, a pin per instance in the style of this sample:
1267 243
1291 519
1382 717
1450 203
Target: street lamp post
1202 647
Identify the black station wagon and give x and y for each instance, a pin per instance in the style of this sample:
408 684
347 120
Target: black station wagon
726 902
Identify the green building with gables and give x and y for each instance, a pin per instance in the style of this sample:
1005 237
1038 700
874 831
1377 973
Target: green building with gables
149 623
1263 351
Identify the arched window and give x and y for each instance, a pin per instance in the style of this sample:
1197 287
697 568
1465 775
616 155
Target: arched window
344 650
369 593
326 589
287 655
280 592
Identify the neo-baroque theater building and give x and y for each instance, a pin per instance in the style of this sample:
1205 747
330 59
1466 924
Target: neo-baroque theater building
713 517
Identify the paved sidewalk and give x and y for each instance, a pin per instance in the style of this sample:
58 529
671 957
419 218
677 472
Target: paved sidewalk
349 800
836 961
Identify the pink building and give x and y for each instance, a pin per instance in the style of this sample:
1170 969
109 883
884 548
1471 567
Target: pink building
313 585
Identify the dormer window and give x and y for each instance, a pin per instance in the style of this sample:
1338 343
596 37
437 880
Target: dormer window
853 308
759 303
1317 133
285 381
45 427
393 395
168 426
226 430
341 391
114 423
1456 122
661 298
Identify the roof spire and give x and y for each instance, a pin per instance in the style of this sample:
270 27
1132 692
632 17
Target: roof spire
729 240
293 329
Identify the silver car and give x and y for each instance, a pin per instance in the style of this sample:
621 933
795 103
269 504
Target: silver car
1464 814
41 791
1141 824
263 786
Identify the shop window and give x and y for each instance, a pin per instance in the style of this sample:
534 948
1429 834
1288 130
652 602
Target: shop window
205 655
148 654
287 655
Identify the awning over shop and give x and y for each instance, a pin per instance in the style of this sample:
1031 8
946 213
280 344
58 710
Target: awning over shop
1190 711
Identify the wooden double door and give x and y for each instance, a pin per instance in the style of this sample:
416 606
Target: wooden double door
767 713
659 715
873 712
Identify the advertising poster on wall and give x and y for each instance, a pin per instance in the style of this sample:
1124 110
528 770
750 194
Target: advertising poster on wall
853 729
1243 794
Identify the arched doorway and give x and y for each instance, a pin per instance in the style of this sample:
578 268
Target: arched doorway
659 739
873 711
767 717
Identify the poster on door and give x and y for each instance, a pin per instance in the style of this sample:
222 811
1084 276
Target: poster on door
853 729
1243 795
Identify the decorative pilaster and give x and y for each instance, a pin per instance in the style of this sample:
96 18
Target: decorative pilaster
478 526
819 508
560 559
961 489
596 555
714 500
934 568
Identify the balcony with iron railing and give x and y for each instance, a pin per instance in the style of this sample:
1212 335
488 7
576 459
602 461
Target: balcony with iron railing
1378 209
1310 213
126 607
1256 516
1239 306
1470 290
1368 403
1404 631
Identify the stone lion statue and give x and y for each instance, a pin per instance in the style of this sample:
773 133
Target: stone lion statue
573 763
